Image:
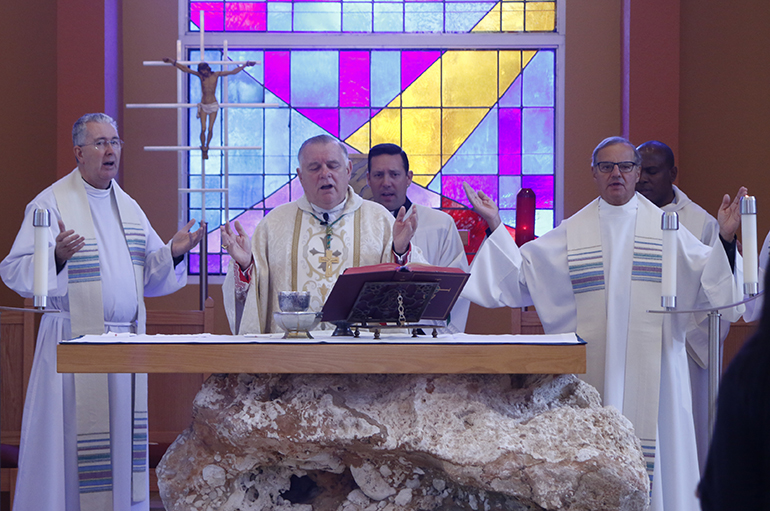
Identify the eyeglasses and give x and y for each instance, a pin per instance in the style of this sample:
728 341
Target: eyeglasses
605 167
102 143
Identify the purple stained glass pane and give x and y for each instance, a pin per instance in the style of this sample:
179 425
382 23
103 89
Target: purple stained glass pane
225 263
279 197
509 130
326 118
420 195
214 17
278 74
414 64
214 263
543 188
296 189
250 219
452 187
315 78
246 16
351 119
509 188
354 78
509 164
538 86
195 263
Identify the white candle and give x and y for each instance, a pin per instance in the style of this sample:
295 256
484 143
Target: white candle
41 222
749 242
670 226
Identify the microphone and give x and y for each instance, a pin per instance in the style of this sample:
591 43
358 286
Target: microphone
326 219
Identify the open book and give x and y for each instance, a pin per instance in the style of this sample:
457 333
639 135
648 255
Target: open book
372 294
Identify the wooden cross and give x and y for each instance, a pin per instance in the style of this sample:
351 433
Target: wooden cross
328 260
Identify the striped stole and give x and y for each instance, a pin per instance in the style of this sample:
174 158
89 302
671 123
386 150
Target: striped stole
87 317
643 351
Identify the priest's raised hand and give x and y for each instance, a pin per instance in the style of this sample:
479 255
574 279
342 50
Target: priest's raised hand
729 215
403 230
237 243
184 240
483 205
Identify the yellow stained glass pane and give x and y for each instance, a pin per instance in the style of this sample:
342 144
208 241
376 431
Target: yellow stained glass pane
513 17
468 78
490 22
425 90
360 139
421 128
510 68
541 17
386 127
526 56
457 125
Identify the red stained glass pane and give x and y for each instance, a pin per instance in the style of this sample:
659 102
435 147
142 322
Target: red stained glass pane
246 16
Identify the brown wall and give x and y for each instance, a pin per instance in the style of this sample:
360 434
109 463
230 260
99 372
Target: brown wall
725 105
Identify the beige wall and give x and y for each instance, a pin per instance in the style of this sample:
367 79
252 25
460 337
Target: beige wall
720 123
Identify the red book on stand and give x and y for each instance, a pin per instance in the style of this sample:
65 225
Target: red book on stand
346 295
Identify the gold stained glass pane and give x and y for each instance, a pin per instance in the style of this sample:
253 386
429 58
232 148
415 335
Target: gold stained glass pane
386 127
457 125
490 22
510 68
513 17
541 17
421 128
468 78
425 91
360 139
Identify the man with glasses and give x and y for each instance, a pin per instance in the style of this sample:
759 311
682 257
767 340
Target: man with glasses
84 437
597 274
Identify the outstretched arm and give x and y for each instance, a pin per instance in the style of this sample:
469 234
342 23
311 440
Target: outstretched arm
484 206
729 215
179 66
237 69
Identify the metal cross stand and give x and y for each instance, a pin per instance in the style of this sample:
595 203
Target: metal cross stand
181 148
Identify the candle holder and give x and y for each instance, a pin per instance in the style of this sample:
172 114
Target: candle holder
669 224
42 222
749 241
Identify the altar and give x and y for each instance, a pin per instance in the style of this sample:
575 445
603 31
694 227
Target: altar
454 422
269 353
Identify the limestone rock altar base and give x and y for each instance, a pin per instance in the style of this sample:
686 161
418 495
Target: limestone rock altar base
402 442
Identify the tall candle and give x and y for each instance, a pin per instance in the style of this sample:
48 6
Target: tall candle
525 216
202 31
42 222
749 242
670 225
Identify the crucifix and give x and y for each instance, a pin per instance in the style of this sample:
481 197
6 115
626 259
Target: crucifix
328 259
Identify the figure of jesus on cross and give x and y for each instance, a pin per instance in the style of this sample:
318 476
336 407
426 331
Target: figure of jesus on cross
208 106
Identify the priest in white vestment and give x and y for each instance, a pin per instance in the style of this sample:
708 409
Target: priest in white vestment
104 257
597 274
388 176
754 307
656 183
305 245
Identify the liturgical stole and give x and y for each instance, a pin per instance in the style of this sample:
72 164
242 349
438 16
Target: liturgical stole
643 352
87 317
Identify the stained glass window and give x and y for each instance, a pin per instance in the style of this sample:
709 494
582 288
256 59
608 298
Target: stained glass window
371 16
488 116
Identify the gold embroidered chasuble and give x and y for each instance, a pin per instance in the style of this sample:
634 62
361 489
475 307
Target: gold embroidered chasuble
290 252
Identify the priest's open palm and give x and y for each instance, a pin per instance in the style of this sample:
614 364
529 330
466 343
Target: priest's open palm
237 243
184 240
729 215
483 205
403 229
